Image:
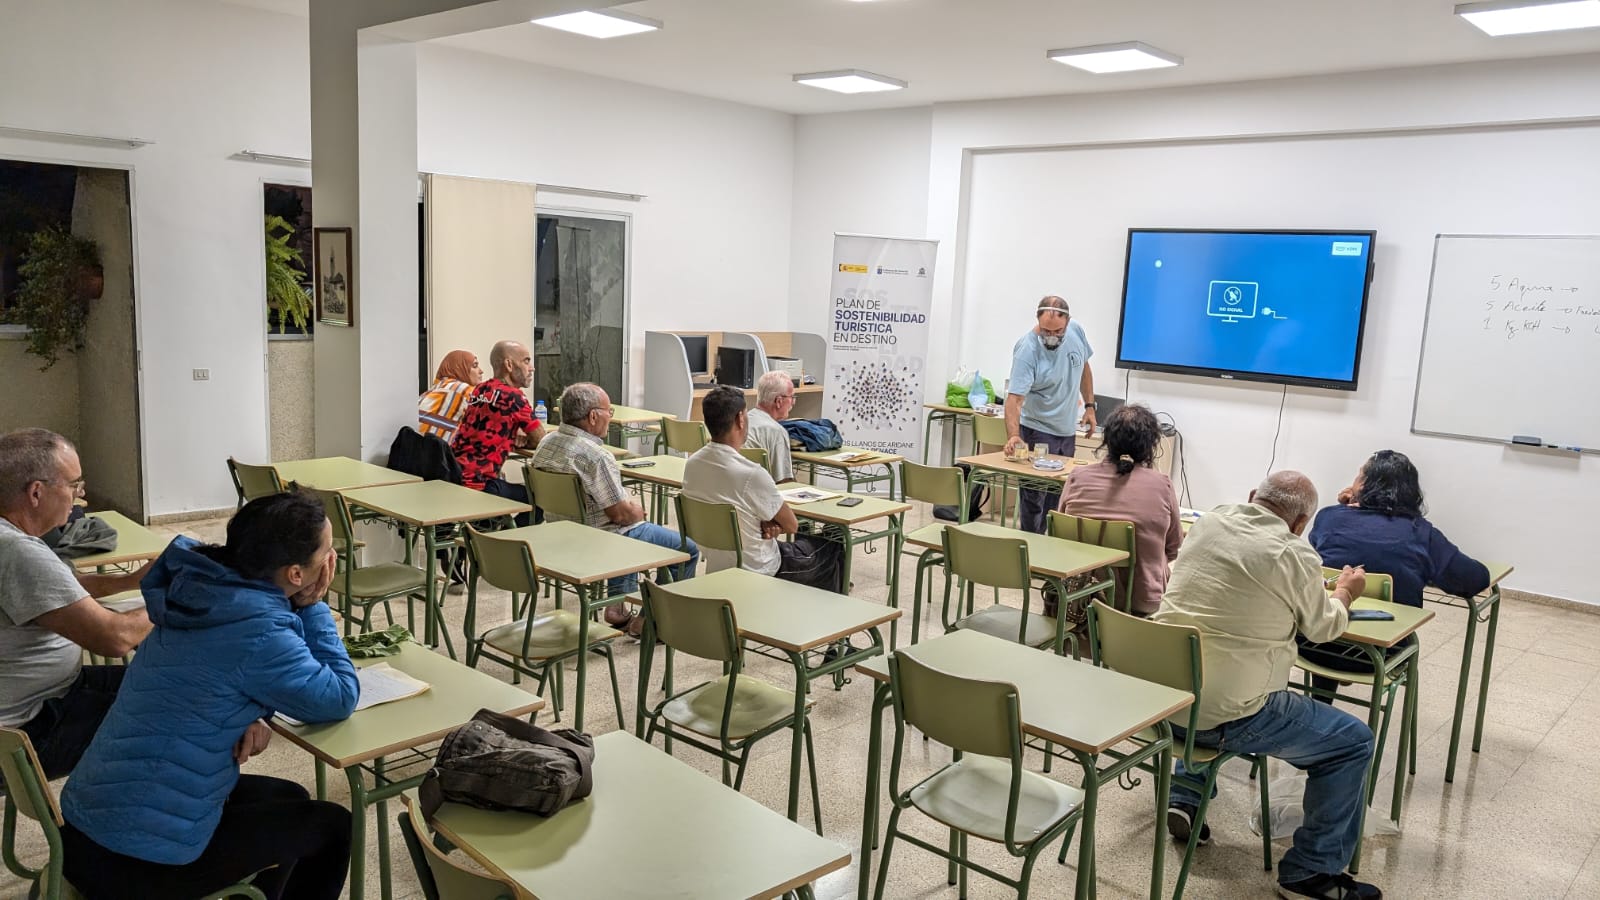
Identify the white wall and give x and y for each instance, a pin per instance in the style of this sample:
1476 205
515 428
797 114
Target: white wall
710 241
1054 219
204 80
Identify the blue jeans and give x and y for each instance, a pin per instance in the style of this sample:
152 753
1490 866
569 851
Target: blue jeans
1036 504
661 536
1331 746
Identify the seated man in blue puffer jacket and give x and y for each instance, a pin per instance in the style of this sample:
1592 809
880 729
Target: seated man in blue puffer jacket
157 807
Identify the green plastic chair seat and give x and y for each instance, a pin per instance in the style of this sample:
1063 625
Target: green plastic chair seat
554 633
927 533
1200 755
971 795
756 705
1002 622
384 579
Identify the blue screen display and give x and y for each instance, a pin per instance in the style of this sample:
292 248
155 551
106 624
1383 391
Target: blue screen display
1269 306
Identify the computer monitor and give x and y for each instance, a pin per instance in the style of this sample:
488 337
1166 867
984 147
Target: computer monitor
694 346
736 366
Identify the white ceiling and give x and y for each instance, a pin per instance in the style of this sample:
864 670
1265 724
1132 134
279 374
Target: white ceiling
748 50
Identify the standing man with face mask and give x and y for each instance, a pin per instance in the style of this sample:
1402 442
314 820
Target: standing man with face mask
1050 395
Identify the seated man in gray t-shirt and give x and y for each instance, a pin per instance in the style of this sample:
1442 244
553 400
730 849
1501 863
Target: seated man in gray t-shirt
48 616
774 402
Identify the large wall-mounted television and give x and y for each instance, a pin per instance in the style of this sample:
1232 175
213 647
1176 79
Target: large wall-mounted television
1280 306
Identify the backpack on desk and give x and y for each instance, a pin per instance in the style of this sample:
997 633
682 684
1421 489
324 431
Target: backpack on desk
498 761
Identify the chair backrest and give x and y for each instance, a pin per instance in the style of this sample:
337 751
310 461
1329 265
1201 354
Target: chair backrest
440 877
1110 533
698 626
338 511
966 714
1379 587
939 485
989 430
26 785
250 482
684 436
557 493
506 563
713 525
1157 652
995 561
757 455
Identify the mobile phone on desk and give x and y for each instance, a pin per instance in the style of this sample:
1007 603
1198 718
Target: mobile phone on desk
850 501
639 464
1371 615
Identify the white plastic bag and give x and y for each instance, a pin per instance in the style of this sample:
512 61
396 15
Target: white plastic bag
1286 788
963 378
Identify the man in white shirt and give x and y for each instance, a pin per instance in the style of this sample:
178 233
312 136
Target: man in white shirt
774 402
718 473
1249 581
48 616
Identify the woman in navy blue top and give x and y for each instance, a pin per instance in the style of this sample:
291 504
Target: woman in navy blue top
1379 524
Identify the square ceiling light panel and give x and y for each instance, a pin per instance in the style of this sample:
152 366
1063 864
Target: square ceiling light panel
1509 17
608 24
1104 59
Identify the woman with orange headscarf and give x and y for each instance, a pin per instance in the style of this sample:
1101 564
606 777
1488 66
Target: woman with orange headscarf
440 410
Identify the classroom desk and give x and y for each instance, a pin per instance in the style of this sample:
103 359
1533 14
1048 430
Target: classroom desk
633 422
956 416
849 469
421 505
845 525
135 544
1063 701
997 468
1051 558
1476 608
359 744
792 618
586 558
683 834
338 473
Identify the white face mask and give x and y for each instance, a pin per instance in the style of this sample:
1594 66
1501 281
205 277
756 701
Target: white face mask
1050 341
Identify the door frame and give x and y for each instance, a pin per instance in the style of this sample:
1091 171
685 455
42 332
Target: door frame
542 209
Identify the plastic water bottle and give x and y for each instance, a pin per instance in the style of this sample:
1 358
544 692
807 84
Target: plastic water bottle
977 397
541 413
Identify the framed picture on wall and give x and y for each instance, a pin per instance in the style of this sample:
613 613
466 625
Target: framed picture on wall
335 276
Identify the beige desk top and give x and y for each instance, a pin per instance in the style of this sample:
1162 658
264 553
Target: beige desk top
1498 571
955 410
1063 700
577 554
455 693
528 452
831 513
997 462
425 503
629 415
683 834
665 469
786 615
1046 555
822 458
1407 619
338 473
135 543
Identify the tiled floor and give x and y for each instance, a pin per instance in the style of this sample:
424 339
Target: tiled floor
1518 821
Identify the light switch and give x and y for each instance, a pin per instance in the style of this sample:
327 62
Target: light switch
202 374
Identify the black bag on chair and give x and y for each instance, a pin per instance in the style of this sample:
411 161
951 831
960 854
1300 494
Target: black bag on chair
975 501
498 761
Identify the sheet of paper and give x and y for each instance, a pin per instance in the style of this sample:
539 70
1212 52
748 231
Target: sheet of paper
806 495
847 456
380 683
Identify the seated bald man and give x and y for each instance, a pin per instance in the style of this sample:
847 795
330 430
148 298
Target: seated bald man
498 419
1249 581
48 615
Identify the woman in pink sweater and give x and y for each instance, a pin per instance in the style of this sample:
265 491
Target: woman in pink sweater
1123 486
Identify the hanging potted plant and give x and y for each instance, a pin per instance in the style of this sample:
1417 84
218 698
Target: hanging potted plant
60 275
287 300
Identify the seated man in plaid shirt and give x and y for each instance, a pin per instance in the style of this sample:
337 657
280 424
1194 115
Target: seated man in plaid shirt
578 447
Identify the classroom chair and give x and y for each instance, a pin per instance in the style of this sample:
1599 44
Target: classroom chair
997 562
736 710
441 877
360 588
1172 655
533 643
985 792
991 431
757 455
250 482
684 436
1110 533
28 792
937 486
713 526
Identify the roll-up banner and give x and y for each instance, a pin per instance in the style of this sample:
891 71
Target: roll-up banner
878 341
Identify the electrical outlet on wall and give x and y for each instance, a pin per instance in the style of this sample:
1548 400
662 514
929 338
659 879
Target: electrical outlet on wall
202 374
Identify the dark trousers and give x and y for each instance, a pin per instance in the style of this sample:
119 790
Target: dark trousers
265 822
812 561
1036 504
512 491
64 726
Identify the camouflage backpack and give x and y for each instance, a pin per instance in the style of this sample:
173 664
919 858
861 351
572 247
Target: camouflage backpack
498 761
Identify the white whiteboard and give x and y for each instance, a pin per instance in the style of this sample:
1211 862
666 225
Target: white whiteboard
1512 340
